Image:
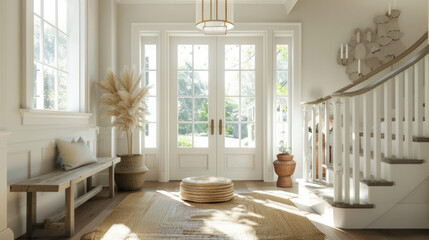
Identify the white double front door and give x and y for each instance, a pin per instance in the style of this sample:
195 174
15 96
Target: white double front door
215 93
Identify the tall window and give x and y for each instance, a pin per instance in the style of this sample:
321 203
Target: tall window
150 70
282 100
56 55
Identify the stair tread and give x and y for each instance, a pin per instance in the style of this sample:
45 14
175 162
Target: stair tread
415 138
421 139
394 119
370 182
393 159
326 192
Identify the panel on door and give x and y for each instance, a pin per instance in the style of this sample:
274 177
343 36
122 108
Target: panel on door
192 104
239 102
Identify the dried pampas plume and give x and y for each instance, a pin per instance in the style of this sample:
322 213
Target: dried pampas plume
127 102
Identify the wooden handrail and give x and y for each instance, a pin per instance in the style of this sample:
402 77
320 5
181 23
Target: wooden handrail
413 47
387 77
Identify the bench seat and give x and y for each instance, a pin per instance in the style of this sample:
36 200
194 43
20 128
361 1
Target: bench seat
60 180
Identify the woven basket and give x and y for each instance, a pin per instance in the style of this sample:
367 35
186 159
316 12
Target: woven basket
129 173
206 189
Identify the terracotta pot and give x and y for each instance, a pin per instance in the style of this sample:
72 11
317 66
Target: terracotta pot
129 173
284 169
284 157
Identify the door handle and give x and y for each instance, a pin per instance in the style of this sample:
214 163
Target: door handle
220 126
212 127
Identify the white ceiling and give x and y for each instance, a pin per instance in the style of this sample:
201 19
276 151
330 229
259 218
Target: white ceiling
288 4
193 1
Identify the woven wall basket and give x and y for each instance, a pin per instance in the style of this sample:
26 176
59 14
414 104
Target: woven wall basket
129 173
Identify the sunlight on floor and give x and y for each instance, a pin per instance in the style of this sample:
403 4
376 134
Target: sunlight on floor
119 232
217 220
174 195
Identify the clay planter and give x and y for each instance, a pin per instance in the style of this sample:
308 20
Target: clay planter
284 169
284 157
129 173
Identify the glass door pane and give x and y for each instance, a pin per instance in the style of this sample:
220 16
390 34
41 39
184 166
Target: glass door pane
239 96
192 96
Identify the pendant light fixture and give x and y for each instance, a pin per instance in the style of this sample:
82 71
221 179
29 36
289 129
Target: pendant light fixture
215 17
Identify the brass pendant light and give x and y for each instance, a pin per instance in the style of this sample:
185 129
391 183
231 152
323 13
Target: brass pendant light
215 17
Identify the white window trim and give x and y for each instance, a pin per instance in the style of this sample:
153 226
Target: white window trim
41 117
32 116
268 31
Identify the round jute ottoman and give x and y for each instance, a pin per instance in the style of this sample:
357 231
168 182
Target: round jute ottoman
206 189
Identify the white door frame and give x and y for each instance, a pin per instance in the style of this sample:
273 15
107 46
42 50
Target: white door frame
190 161
240 163
268 32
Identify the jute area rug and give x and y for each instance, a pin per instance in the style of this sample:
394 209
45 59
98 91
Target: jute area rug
163 215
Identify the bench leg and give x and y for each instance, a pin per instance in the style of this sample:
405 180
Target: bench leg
69 221
31 212
89 184
112 181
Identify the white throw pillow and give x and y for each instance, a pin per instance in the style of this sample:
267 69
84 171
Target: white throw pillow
74 154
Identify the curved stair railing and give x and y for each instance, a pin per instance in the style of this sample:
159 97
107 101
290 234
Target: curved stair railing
356 119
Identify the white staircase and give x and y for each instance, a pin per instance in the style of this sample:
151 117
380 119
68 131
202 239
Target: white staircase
377 173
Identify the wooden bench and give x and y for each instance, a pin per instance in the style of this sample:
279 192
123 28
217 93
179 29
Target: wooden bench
60 180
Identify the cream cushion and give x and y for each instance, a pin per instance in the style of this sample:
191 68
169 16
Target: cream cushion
74 154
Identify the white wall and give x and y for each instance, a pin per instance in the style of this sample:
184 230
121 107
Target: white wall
3 59
326 24
107 44
31 149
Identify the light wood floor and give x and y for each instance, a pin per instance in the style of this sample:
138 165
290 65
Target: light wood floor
93 212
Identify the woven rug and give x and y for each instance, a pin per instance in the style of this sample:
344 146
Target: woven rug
163 215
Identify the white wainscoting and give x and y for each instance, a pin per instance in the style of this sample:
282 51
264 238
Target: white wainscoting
30 153
5 232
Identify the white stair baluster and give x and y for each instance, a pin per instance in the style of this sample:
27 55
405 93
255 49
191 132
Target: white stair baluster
356 149
327 140
418 101
305 143
399 116
377 132
346 149
426 92
313 143
408 123
367 120
337 152
320 143
388 119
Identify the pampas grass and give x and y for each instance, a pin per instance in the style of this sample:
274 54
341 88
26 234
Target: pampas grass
127 102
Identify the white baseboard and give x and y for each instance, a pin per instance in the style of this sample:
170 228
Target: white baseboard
6 234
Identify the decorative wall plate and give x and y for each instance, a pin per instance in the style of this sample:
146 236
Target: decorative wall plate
373 48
